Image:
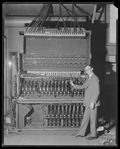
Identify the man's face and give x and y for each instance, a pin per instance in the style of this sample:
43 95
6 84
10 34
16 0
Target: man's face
88 70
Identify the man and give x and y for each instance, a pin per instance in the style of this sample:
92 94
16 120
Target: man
91 101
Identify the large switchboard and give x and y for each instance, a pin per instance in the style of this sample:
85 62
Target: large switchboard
48 62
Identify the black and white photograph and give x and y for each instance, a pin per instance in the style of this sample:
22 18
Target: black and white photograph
59 64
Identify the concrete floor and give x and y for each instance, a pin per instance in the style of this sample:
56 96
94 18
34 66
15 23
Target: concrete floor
52 137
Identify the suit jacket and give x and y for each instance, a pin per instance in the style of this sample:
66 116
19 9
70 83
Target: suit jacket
92 90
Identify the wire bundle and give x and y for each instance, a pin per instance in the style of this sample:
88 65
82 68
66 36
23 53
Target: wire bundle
36 28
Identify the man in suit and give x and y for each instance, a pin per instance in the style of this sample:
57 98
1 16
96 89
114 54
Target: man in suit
91 101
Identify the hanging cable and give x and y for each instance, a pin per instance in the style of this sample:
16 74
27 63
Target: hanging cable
35 19
57 22
76 17
34 26
66 10
58 19
71 23
68 14
44 17
73 16
48 11
40 18
63 19
69 11
11 106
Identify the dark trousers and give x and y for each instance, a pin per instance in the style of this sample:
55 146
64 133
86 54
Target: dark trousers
89 115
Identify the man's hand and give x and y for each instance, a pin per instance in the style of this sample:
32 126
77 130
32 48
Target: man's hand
71 83
92 105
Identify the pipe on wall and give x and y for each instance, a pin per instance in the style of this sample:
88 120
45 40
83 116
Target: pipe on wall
5 67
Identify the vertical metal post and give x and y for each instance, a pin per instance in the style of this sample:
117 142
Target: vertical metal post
18 75
94 11
5 74
17 115
105 13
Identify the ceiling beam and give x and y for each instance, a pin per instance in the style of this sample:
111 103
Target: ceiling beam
103 8
83 11
33 9
20 21
94 11
69 10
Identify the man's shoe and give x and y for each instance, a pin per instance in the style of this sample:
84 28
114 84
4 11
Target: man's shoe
91 138
77 135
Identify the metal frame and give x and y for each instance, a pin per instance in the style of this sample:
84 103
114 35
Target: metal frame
94 11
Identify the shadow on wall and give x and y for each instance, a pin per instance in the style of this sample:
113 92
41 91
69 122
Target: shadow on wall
107 90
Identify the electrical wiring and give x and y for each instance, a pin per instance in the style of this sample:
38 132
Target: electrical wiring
49 9
42 18
9 112
11 106
81 10
39 21
33 28
76 17
59 17
63 19
37 17
73 17
66 10
69 10
57 22
49 18
29 106
70 15
45 10
71 23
